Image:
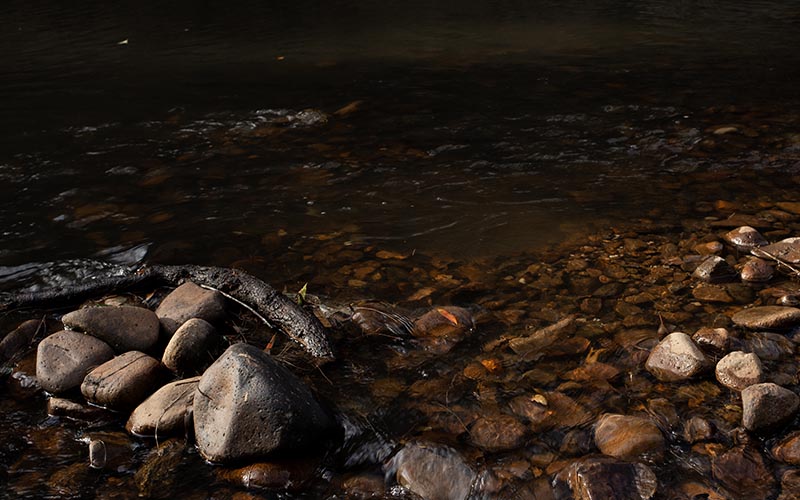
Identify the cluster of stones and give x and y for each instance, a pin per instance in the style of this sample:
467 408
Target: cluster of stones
242 405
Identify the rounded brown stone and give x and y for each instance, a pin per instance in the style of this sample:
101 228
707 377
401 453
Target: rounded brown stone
767 317
626 436
497 433
64 358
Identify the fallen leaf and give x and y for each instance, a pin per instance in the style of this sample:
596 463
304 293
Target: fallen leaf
448 315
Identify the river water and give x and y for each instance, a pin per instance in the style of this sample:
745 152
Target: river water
252 134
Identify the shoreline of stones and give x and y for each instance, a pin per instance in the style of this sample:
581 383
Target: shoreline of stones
628 443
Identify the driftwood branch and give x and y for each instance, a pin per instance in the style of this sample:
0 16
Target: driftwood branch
297 323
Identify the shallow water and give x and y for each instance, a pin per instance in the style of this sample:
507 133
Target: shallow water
297 140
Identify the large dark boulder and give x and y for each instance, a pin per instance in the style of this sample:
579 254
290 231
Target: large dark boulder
64 358
249 406
125 328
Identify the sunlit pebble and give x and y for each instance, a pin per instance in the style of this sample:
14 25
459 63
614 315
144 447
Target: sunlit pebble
789 300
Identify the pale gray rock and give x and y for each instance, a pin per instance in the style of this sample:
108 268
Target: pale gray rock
676 357
767 405
64 358
190 301
433 471
738 370
124 328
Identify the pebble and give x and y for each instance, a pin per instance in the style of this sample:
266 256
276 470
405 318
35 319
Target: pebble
713 339
289 475
124 328
166 411
767 317
248 406
60 407
64 358
190 301
767 405
697 429
191 348
738 370
627 436
745 238
675 358
715 269
123 382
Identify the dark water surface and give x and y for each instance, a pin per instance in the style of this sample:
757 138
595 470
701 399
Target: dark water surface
275 136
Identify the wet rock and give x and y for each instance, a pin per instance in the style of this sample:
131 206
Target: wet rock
714 339
712 293
497 433
156 477
768 346
247 406
551 410
452 322
767 317
123 382
59 407
20 338
190 301
288 475
715 269
604 478
742 470
191 348
124 328
166 411
787 450
757 271
745 238
627 437
712 247
64 358
790 485
675 358
787 250
738 370
109 450
767 405
364 486
697 429
69 482
432 471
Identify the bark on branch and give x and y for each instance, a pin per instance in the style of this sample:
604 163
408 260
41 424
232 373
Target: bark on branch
297 323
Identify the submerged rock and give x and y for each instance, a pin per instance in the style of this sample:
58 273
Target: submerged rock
627 437
432 471
248 406
19 338
124 328
787 250
442 327
123 382
742 471
738 370
166 411
767 317
675 358
767 405
607 479
191 348
190 301
787 450
289 475
497 433
64 358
